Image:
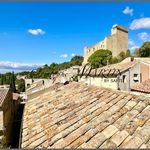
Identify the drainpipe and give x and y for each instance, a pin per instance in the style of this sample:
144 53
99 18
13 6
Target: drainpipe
118 78
89 80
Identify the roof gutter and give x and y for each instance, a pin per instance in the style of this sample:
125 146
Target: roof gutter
20 134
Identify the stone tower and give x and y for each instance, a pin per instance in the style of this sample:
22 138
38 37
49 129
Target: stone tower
117 42
120 39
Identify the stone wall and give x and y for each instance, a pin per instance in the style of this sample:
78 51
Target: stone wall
8 109
125 81
145 71
101 82
8 115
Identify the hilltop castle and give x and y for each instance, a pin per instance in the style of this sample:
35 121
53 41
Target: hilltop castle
117 42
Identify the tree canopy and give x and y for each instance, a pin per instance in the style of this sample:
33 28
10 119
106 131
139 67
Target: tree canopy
21 85
54 68
128 54
99 58
136 52
77 60
144 50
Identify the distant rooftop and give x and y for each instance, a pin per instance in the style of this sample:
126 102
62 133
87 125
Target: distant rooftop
142 87
3 94
142 59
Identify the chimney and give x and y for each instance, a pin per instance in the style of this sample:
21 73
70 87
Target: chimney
131 59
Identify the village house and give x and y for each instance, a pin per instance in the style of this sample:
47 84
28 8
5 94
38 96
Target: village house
120 76
29 83
116 43
37 85
42 84
63 76
70 72
144 66
80 116
9 103
19 77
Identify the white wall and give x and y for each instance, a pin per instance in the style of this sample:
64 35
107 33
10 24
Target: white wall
101 82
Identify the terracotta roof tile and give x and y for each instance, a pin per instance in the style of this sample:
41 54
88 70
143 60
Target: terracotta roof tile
142 87
3 93
81 116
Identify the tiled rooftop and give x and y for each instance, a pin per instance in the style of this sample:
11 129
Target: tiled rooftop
3 93
38 86
142 87
81 116
114 69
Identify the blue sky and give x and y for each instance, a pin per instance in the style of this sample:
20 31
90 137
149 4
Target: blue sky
35 33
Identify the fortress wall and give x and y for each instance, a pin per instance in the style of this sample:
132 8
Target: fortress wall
117 42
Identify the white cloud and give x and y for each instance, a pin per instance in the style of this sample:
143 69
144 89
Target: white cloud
132 48
132 45
7 65
64 55
73 54
140 23
143 36
131 42
36 31
128 11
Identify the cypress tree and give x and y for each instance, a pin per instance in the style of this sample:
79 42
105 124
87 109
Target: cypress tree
4 78
12 82
2 81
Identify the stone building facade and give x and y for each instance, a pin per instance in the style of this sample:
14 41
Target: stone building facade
117 42
8 108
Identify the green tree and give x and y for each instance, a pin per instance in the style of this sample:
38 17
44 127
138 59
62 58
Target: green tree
21 85
4 78
47 70
12 82
121 56
8 76
2 81
144 50
136 52
128 54
114 60
77 60
100 58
